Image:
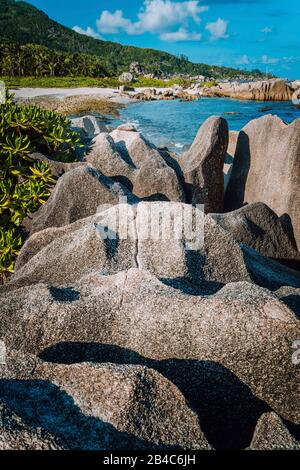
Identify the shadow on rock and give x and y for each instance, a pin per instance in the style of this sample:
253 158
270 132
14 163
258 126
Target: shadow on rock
227 409
42 404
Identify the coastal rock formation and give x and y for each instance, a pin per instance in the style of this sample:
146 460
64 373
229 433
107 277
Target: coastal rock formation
257 226
127 156
16 434
78 193
134 320
265 90
266 168
126 77
88 126
203 165
125 237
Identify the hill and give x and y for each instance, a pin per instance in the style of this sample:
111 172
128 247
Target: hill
23 23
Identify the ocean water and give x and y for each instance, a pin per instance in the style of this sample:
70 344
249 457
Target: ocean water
174 124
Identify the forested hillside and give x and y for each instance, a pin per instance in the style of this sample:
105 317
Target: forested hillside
22 23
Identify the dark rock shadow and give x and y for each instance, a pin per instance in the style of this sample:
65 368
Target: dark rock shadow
287 225
156 197
235 192
268 273
195 283
293 302
124 181
42 404
66 294
122 148
227 409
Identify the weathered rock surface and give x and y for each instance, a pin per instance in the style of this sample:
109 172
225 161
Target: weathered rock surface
203 165
271 434
88 126
98 406
257 226
125 237
128 157
152 325
16 434
266 168
234 344
77 194
265 90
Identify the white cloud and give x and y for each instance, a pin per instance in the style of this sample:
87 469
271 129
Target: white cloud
266 30
218 29
113 23
155 16
269 60
87 32
244 60
181 35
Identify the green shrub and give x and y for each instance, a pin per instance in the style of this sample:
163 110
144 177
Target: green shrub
25 183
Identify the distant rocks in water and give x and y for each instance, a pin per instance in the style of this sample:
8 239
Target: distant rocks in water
135 319
265 90
177 92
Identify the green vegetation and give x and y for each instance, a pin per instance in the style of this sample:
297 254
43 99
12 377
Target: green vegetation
60 82
33 60
25 24
25 183
77 82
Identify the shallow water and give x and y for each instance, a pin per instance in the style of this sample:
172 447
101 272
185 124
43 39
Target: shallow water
174 124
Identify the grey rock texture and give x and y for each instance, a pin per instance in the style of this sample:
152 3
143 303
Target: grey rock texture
127 156
257 226
126 236
203 165
88 126
77 194
136 321
271 434
99 406
266 168
234 344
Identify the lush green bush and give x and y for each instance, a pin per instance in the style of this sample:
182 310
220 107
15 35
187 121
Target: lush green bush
25 183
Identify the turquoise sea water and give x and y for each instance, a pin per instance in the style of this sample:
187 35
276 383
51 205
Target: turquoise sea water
174 124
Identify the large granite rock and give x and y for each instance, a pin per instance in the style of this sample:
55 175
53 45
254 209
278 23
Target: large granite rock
151 325
17 434
266 168
173 241
257 226
229 353
127 156
203 165
265 90
77 194
96 406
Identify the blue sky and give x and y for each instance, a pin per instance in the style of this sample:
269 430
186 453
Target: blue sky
247 33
